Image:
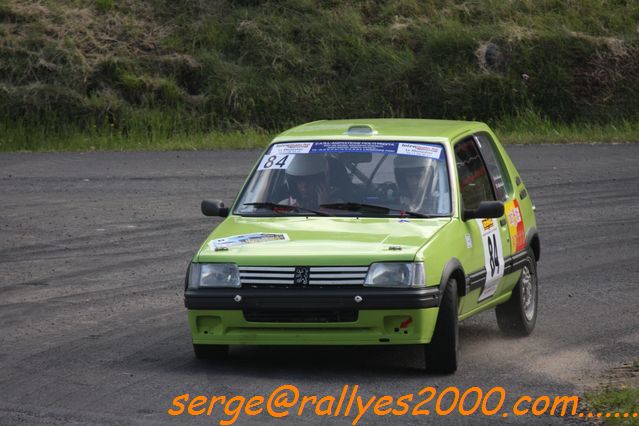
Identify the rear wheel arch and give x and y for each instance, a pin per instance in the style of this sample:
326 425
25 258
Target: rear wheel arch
518 315
534 244
532 241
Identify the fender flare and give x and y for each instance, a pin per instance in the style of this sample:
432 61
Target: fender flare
532 241
453 267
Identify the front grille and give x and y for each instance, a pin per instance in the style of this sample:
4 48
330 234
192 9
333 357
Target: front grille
321 316
258 276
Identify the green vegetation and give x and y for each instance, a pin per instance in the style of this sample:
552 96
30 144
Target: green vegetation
160 74
619 395
526 129
530 128
613 400
22 139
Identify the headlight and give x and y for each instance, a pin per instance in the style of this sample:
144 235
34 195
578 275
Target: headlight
396 275
214 275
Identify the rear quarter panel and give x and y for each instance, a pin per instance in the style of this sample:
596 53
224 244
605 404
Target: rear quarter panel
521 193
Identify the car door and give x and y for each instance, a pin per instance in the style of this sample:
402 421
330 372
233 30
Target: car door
489 238
512 223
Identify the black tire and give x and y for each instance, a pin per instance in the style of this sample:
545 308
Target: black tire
442 353
517 316
208 352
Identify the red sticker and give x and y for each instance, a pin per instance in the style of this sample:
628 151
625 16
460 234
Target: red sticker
515 226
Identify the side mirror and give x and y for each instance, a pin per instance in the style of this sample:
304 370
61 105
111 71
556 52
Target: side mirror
486 210
214 208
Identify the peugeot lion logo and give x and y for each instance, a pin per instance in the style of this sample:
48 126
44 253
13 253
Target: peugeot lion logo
302 274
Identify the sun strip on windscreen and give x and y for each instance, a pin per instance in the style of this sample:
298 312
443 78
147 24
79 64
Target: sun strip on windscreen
428 150
281 155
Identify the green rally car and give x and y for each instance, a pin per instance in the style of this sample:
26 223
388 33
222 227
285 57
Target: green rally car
361 232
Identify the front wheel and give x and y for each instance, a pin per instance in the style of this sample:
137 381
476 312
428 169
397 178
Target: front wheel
442 353
517 316
209 352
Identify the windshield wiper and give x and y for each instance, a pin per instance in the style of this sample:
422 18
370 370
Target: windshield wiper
357 207
372 208
417 214
274 206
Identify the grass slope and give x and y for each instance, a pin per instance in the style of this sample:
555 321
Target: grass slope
180 74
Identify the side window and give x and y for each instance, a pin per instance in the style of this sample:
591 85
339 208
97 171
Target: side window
496 168
474 182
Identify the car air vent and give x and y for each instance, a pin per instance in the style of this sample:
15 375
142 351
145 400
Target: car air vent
307 316
361 130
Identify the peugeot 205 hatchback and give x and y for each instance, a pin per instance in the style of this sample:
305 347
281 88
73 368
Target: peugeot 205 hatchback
360 232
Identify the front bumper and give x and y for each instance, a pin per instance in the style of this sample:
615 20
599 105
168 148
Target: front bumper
359 298
312 316
372 326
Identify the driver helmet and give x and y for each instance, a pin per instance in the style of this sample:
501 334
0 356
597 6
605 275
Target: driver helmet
410 175
307 179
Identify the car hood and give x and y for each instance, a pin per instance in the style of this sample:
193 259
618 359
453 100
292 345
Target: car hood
316 240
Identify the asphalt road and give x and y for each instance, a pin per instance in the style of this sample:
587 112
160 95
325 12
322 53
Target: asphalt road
93 249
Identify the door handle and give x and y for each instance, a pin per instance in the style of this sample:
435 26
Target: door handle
502 222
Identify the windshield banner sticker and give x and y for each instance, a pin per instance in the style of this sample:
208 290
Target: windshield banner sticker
237 240
355 146
419 150
292 148
377 147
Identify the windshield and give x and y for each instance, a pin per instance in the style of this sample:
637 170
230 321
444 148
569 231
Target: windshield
349 178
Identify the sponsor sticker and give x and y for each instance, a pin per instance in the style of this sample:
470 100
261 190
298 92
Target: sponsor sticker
237 240
515 226
419 150
291 148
